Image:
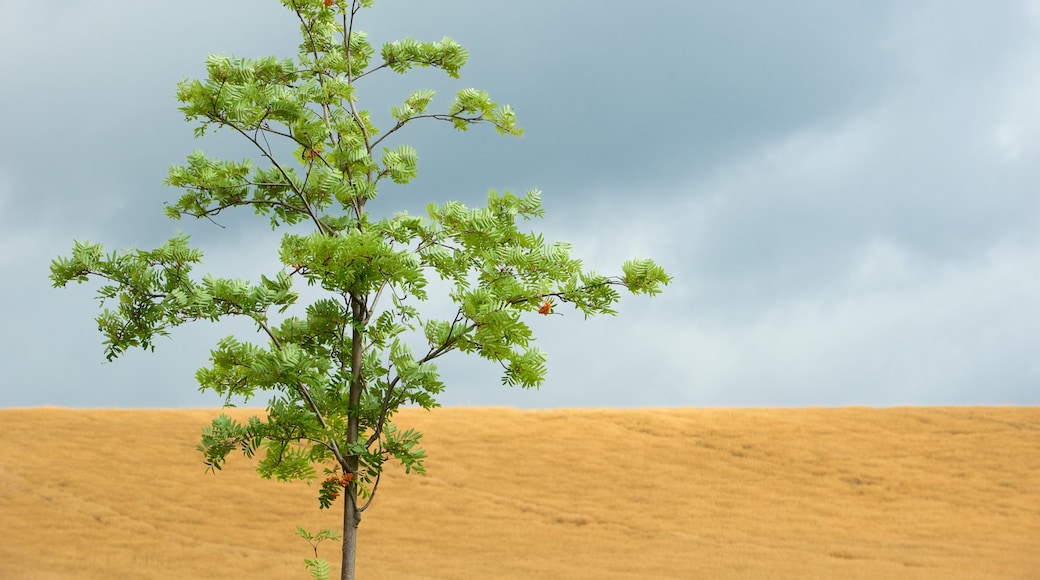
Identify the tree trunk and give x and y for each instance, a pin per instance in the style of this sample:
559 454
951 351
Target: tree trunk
351 518
351 515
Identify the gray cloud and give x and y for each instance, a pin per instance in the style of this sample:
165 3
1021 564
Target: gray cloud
845 194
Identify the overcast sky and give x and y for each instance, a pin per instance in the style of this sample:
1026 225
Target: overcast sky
845 192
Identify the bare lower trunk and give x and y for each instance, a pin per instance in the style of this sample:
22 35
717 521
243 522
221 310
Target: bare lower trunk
351 518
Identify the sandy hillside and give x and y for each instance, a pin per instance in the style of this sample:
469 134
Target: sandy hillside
771 493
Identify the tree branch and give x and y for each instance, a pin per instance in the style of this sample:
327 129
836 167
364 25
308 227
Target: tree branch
438 116
372 70
432 354
375 301
372 493
305 393
221 208
215 114
321 82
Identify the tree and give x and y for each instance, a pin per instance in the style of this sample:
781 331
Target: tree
338 369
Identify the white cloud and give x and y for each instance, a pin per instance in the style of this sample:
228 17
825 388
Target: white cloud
961 333
1017 127
882 264
824 155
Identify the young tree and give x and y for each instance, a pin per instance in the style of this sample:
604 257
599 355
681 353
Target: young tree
339 369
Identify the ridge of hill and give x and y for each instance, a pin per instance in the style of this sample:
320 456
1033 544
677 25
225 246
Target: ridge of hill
929 492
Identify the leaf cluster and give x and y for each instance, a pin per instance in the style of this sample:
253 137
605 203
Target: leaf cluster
318 567
152 291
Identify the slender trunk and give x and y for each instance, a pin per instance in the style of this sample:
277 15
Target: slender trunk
351 518
351 515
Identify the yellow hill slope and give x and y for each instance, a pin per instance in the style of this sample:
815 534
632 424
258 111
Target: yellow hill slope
683 493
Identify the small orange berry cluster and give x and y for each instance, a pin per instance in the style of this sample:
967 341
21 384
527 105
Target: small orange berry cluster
343 479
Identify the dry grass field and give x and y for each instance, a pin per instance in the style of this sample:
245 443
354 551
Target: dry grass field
670 493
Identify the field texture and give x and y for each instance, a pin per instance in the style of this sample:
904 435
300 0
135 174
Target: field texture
672 493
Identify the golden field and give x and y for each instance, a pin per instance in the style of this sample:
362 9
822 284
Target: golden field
666 493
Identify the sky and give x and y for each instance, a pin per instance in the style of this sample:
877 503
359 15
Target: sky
845 193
